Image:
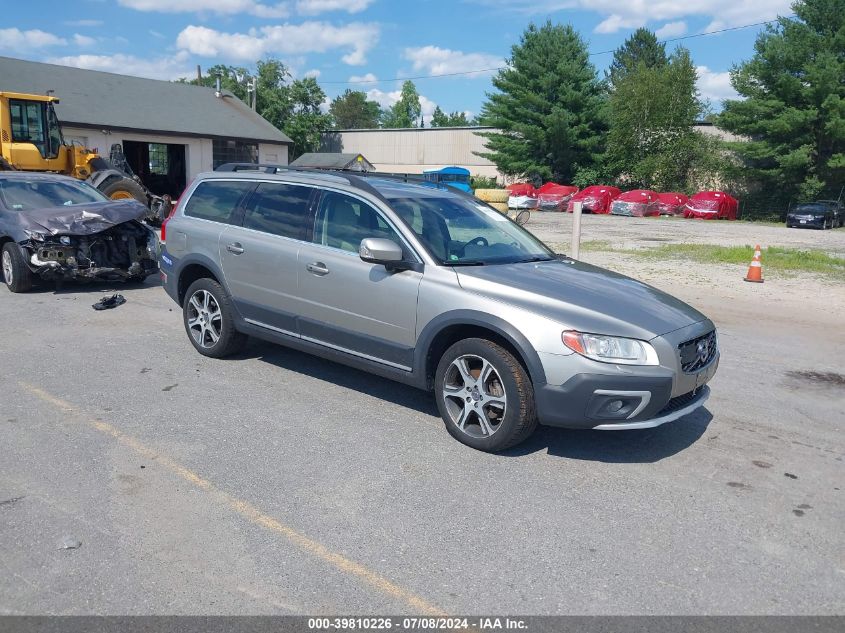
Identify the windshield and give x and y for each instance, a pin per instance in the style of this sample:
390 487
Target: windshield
463 232
812 208
19 194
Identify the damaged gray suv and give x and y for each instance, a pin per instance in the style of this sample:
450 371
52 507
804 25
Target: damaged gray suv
431 287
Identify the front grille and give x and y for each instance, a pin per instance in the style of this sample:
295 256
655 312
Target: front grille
698 352
677 403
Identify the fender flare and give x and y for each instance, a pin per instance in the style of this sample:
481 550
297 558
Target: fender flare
474 318
99 177
200 260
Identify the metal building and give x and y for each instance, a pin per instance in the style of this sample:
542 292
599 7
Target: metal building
415 150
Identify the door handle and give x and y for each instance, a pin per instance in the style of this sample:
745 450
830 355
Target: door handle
318 268
235 248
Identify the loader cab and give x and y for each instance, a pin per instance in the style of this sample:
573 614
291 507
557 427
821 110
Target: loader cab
31 135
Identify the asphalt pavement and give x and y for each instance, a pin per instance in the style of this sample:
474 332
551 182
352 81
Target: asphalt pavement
138 477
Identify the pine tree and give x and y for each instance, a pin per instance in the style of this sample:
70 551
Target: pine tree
548 107
641 49
794 106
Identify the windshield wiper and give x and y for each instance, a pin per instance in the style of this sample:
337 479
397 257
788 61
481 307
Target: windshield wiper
538 258
467 262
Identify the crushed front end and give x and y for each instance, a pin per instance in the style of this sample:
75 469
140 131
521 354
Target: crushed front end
127 251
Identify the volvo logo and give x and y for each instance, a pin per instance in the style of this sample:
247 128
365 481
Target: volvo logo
703 350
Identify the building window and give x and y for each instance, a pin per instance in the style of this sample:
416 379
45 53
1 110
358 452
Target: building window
233 152
158 158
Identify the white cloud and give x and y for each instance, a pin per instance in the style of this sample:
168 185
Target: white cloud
21 41
623 14
167 68
84 22
359 79
83 40
441 61
312 73
671 29
222 7
715 86
308 37
156 34
314 7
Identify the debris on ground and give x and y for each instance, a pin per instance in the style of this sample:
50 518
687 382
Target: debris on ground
69 542
107 303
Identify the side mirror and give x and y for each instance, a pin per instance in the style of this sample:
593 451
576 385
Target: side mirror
377 250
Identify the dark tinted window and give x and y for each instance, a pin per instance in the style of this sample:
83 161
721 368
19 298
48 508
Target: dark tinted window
278 209
217 199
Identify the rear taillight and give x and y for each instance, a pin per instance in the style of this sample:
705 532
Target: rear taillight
164 222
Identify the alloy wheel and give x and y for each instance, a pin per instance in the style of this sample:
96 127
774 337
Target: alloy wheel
205 319
7 267
475 396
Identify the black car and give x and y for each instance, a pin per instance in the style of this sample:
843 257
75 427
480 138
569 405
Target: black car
821 214
58 228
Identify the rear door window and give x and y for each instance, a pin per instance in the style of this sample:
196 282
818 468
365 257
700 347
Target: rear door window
278 209
217 200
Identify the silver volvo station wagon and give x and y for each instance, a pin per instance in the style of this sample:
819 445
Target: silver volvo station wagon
426 285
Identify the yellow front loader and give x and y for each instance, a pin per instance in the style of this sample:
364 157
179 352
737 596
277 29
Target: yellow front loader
31 140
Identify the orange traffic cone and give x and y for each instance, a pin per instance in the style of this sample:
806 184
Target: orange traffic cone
755 270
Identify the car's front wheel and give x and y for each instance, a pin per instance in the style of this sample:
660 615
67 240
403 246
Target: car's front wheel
209 320
16 273
484 395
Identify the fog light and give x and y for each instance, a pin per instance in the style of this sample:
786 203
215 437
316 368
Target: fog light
615 405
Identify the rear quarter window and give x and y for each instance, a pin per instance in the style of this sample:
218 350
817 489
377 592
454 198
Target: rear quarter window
217 200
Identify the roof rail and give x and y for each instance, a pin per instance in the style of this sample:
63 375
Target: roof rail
268 168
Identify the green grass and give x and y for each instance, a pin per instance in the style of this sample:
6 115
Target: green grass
775 258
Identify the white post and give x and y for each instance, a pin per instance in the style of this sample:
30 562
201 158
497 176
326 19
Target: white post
575 246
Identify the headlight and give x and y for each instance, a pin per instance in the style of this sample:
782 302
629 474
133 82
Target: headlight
34 235
610 349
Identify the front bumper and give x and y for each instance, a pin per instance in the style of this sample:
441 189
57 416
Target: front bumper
671 412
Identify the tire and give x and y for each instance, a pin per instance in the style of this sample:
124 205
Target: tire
492 195
124 189
505 401
16 273
200 301
501 207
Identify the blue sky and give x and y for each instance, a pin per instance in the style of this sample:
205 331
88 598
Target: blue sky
343 41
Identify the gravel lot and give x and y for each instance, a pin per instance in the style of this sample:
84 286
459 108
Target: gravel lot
279 483
627 233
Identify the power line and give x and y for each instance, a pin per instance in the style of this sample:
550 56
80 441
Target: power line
487 70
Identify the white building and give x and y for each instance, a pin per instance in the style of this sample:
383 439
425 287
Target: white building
169 131
414 150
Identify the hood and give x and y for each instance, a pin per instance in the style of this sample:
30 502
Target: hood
582 297
82 219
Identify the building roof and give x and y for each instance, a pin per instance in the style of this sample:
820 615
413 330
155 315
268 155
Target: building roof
474 128
94 99
332 160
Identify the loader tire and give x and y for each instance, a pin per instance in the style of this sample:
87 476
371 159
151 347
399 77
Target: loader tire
492 195
501 207
124 189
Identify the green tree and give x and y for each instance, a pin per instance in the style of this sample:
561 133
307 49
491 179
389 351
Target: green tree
455 119
407 112
794 106
352 110
548 107
640 49
652 141
305 122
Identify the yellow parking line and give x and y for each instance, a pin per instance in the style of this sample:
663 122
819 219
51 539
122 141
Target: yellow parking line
246 509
